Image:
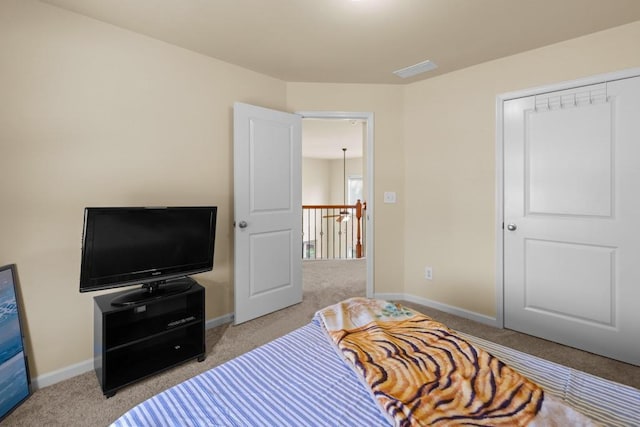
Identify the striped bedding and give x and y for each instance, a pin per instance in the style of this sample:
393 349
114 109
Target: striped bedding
299 380
296 380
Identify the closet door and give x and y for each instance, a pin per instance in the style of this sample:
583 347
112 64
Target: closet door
572 217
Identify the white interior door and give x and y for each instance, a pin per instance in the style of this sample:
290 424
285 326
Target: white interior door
571 214
268 211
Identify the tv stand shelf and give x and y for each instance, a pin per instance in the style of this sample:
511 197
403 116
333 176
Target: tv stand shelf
135 341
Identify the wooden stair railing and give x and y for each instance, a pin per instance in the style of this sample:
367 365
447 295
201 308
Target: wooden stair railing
333 231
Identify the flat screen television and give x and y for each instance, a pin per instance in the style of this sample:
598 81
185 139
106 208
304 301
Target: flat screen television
156 247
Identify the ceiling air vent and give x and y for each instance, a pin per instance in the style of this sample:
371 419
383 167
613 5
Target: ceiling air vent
412 70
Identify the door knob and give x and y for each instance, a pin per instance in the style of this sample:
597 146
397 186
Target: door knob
242 224
511 227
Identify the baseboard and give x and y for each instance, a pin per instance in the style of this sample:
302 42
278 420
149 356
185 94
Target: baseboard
54 377
213 323
51 378
467 314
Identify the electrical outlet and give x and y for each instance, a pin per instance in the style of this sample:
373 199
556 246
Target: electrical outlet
428 273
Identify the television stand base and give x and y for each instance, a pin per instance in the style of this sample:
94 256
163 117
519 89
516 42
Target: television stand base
151 291
136 341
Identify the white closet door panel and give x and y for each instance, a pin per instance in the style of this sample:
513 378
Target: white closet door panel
569 161
571 211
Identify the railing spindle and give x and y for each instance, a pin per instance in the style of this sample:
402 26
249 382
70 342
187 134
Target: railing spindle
336 233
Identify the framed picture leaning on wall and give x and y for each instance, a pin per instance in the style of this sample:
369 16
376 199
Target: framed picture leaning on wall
14 371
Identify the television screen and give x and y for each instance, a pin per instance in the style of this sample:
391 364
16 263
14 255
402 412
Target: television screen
14 374
135 245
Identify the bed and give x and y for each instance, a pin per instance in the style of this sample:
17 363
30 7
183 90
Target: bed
303 379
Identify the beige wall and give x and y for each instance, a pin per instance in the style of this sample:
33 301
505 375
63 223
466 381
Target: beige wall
449 157
316 181
322 179
385 101
92 115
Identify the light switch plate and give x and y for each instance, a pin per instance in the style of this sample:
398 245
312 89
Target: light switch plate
389 196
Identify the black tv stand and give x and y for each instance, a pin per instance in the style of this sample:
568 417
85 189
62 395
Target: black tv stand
153 290
138 340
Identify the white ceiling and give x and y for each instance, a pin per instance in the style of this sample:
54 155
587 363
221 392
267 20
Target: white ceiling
325 138
357 41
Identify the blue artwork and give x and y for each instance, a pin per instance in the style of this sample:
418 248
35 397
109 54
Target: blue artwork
14 378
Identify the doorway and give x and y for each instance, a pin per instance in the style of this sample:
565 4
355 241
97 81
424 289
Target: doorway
324 123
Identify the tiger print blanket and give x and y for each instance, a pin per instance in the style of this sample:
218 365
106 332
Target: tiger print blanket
421 373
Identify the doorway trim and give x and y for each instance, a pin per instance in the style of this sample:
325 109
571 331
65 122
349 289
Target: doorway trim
499 184
367 117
